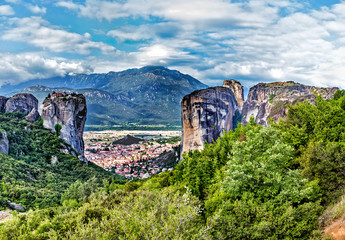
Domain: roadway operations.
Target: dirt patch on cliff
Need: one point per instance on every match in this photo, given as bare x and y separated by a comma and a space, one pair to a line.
336, 229
5, 215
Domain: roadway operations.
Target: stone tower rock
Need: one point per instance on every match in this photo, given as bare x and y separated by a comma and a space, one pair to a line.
237, 88
68, 110
206, 114
25, 103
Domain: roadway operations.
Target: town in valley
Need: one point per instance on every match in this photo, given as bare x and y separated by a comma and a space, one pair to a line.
133, 154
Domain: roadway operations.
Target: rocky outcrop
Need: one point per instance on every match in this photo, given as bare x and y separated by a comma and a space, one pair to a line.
237, 88
22, 102
15, 206
268, 100
206, 114
25, 103
4, 143
3, 101
69, 111
33, 115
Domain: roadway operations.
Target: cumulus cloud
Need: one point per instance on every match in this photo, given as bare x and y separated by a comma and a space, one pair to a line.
19, 67
199, 13
251, 40
36, 9
6, 10
300, 47
156, 31
39, 33
161, 55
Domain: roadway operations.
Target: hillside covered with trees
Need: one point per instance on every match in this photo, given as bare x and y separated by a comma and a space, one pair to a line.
275, 182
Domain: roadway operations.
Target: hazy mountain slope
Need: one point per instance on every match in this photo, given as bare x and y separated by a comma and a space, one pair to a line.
150, 95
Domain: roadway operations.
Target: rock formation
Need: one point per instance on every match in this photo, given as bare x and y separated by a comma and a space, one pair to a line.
206, 114
268, 100
69, 111
25, 103
22, 102
4, 143
15, 206
3, 101
237, 88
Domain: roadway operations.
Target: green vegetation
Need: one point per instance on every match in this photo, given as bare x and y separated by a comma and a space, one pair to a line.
27, 175
278, 182
171, 140
57, 128
272, 96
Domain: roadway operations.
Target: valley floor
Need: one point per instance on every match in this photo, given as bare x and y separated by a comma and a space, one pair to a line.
154, 154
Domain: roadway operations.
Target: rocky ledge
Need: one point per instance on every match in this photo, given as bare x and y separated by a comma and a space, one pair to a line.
268, 100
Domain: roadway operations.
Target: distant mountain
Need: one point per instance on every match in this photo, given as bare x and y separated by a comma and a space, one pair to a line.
146, 96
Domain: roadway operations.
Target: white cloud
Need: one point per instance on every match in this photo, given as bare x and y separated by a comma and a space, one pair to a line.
40, 33
199, 13
159, 54
255, 40
6, 10
132, 33
19, 67
68, 5
36, 9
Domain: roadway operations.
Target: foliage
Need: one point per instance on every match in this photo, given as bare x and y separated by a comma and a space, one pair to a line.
264, 198
317, 132
171, 140
272, 96
118, 215
252, 183
27, 176
57, 128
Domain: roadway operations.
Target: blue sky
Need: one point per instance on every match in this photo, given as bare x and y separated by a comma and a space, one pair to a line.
212, 40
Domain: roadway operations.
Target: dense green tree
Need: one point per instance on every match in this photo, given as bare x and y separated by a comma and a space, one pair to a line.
317, 132
263, 198
57, 128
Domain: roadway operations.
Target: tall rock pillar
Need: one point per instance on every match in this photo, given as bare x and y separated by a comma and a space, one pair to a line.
68, 110
237, 88
206, 114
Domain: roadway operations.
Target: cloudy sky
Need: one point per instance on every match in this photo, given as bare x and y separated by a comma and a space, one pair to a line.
249, 40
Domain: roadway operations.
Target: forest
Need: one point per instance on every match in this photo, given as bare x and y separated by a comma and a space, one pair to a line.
283, 181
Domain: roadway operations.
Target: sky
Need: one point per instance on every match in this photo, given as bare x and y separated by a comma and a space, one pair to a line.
212, 40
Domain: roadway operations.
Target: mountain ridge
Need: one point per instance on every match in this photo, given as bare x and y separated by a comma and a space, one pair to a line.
146, 96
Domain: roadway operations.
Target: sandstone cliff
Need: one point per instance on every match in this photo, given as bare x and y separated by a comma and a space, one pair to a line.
68, 110
237, 88
205, 115
22, 102
266, 100
25, 103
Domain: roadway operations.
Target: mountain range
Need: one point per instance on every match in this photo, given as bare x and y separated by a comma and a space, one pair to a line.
147, 96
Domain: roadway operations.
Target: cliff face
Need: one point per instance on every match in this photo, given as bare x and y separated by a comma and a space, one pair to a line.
68, 110
4, 143
205, 115
266, 100
237, 88
25, 103
22, 102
